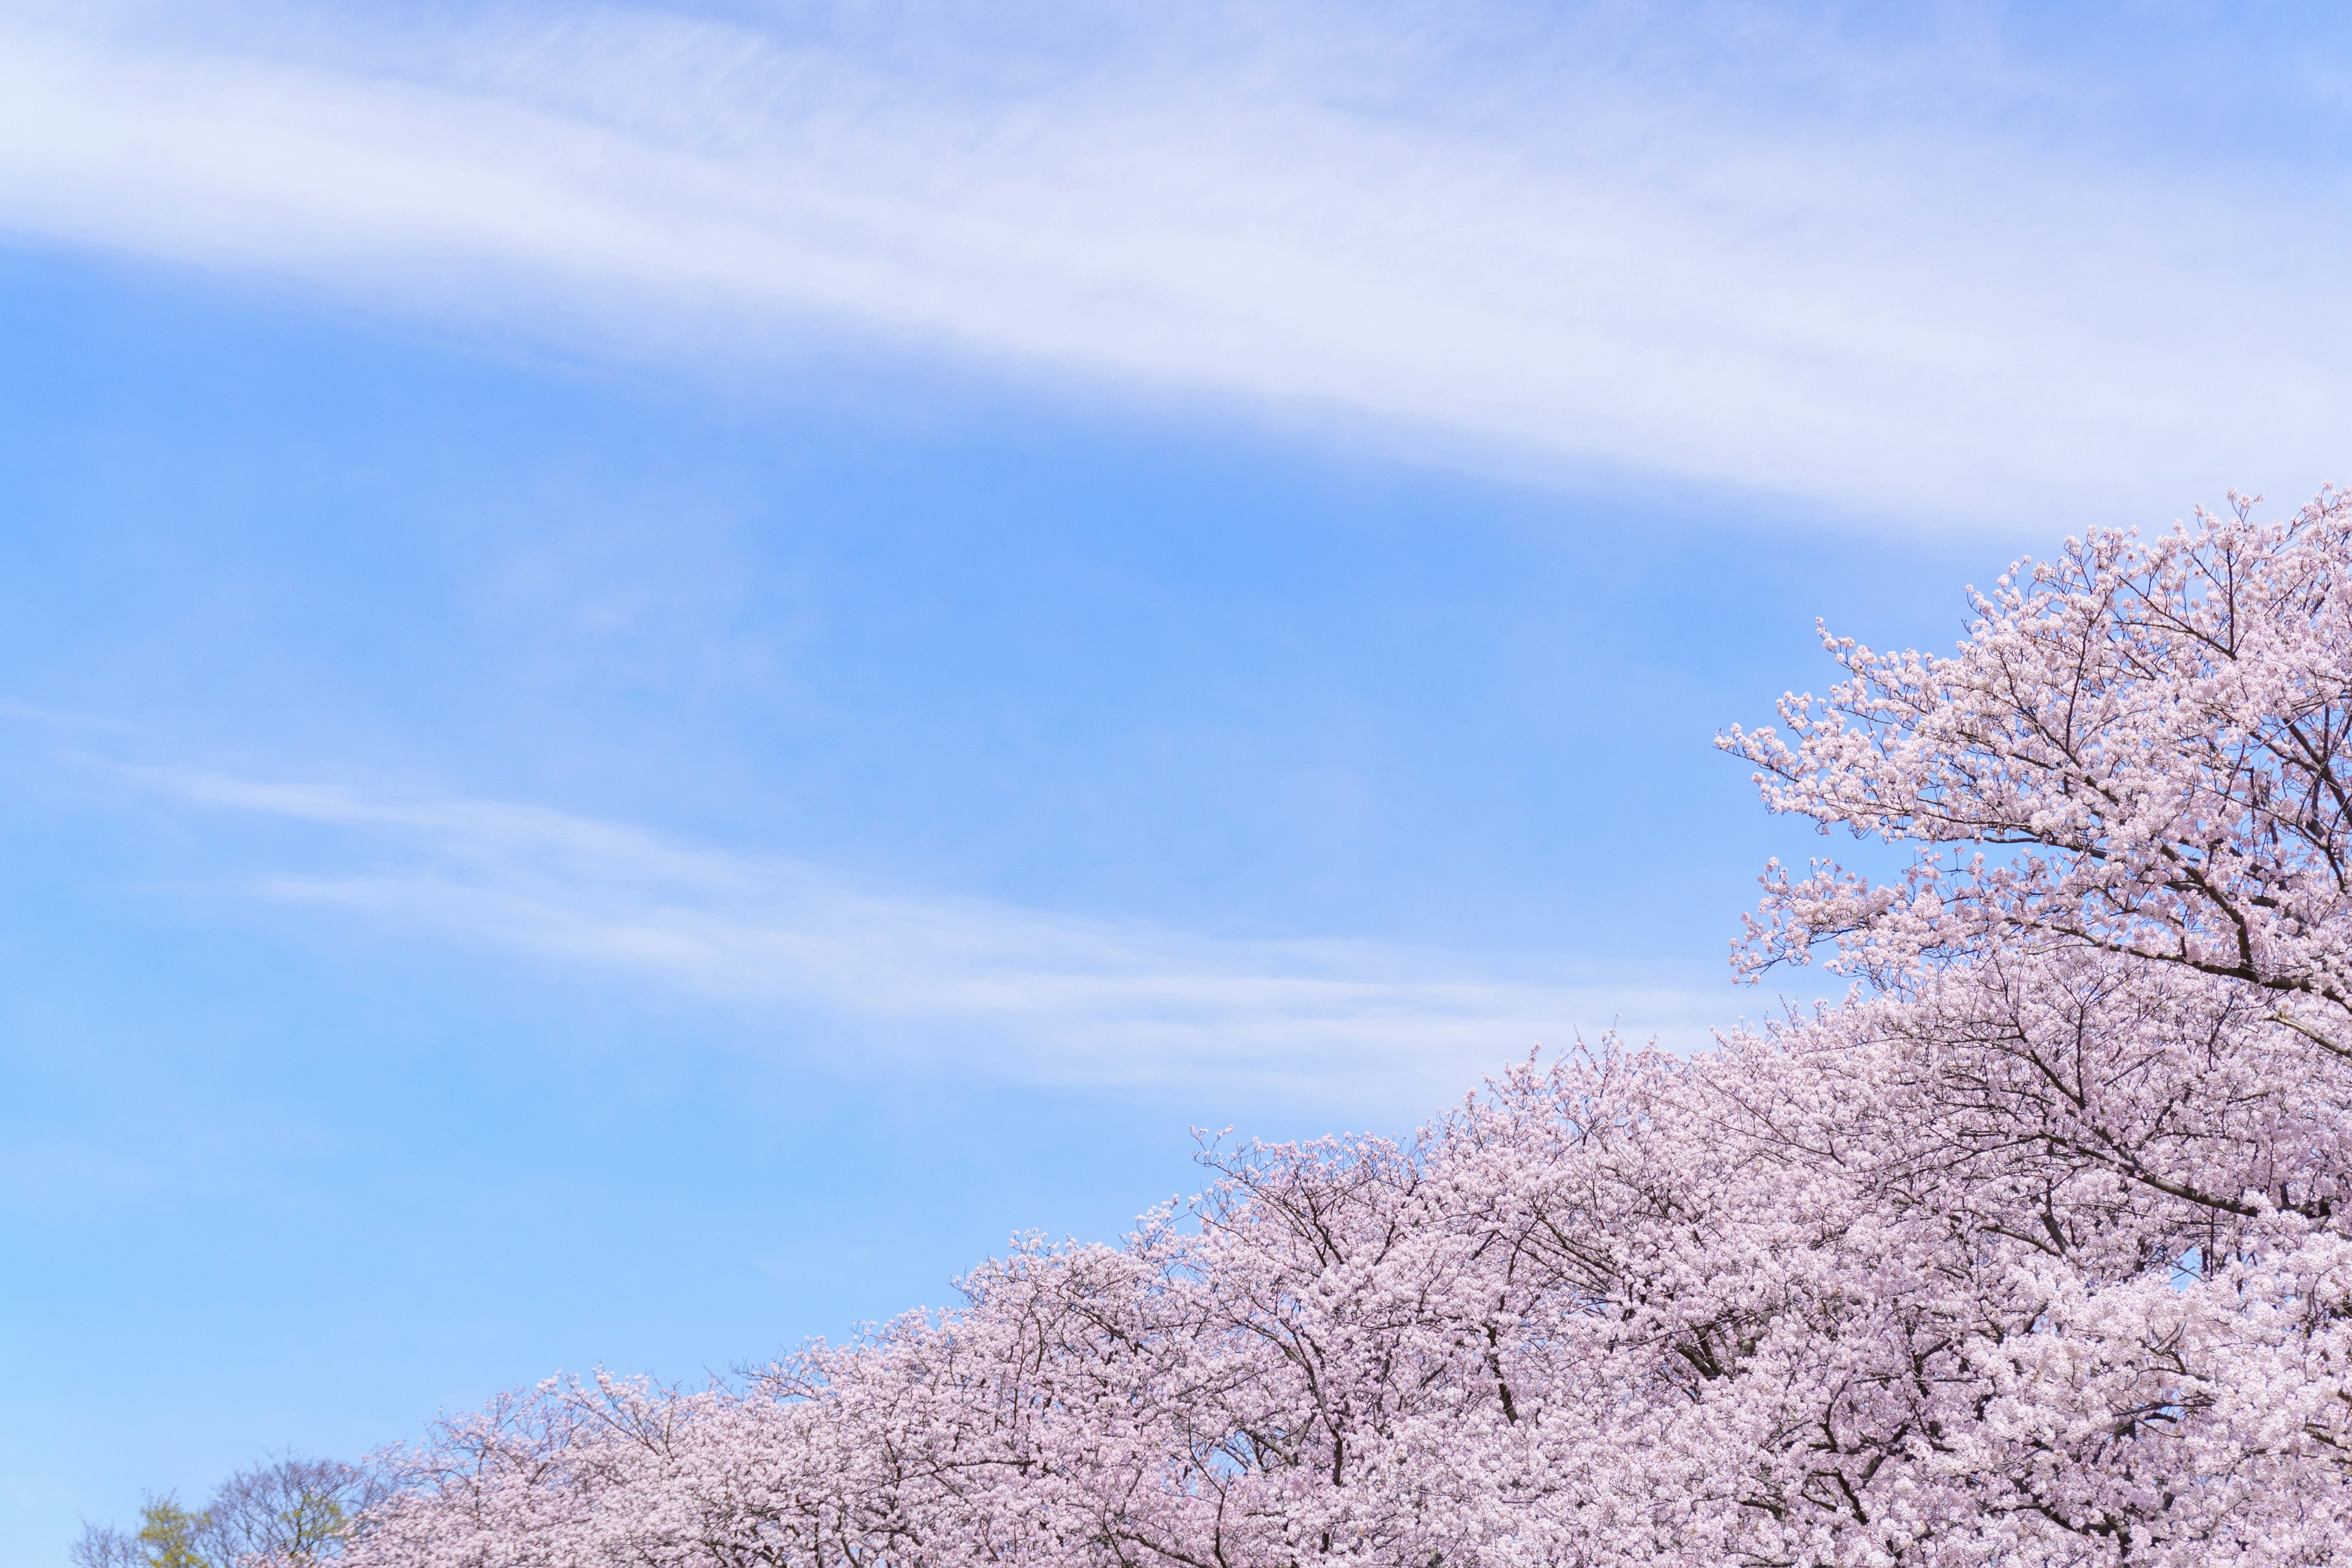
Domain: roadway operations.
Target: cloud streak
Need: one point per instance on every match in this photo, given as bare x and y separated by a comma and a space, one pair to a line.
1601, 253
1018, 992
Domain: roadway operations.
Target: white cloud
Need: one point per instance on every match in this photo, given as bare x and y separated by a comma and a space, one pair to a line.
1021, 993
1598, 254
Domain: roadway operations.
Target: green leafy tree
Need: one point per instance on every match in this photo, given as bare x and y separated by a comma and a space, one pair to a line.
287, 1513
169, 1534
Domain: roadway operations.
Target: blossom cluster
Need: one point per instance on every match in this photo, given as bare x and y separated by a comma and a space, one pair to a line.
2033, 1251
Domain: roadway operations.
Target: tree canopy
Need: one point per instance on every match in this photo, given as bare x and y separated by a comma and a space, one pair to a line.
292, 1511
2033, 1251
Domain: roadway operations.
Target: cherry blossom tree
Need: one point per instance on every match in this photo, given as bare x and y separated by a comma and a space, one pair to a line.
2155, 741
2033, 1251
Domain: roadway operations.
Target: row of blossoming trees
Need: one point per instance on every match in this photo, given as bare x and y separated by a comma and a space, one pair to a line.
2034, 1251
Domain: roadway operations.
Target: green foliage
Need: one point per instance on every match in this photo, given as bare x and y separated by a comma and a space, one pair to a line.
172, 1534
287, 1513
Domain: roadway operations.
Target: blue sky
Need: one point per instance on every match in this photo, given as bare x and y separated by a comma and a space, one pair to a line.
663, 672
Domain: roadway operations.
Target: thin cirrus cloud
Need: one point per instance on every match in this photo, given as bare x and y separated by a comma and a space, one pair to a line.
1610, 252
1020, 993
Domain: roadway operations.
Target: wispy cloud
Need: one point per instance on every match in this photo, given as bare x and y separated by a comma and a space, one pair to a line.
1603, 251
1022, 993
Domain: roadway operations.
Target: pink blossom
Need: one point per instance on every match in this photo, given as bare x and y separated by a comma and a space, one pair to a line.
2032, 1252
